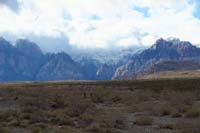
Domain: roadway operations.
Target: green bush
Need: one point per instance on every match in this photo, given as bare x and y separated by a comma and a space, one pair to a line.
144, 121
192, 113
4, 130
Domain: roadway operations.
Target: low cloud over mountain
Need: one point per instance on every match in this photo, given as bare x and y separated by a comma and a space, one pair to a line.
25, 61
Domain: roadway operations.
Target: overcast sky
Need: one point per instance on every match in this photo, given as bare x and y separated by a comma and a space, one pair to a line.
102, 23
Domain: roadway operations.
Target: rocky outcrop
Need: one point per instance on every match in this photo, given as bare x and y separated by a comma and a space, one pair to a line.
25, 61
105, 72
60, 67
30, 58
164, 66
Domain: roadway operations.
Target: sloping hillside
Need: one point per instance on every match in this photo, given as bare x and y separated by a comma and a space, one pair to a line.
173, 74
165, 66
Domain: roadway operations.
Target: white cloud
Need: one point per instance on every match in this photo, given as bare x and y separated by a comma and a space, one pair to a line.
120, 22
12, 4
127, 42
149, 39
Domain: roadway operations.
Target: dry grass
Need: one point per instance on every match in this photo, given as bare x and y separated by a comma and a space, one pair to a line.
174, 74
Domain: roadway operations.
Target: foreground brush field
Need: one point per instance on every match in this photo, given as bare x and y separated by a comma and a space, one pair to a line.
140, 106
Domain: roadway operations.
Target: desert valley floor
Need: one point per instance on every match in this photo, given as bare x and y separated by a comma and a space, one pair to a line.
138, 106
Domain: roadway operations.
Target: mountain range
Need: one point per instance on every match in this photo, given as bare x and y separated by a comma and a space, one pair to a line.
25, 61
163, 55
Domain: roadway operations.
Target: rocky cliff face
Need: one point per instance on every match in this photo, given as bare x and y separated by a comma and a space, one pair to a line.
89, 67
14, 64
105, 72
164, 66
30, 59
26, 61
60, 67
162, 50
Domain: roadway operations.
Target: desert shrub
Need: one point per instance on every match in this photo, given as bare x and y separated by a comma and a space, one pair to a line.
181, 108
116, 99
36, 130
167, 126
176, 114
79, 106
33, 103
8, 115
14, 122
142, 96
132, 108
40, 125
62, 121
190, 125
59, 117
66, 130
180, 97
94, 127
192, 113
99, 95
158, 108
165, 111
25, 116
24, 123
58, 101
97, 99
38, 117
121, 96
4, 130
161, 109
108, 130
87, 118
120, 124
144, 121
112, 120
107, 95
144, 106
